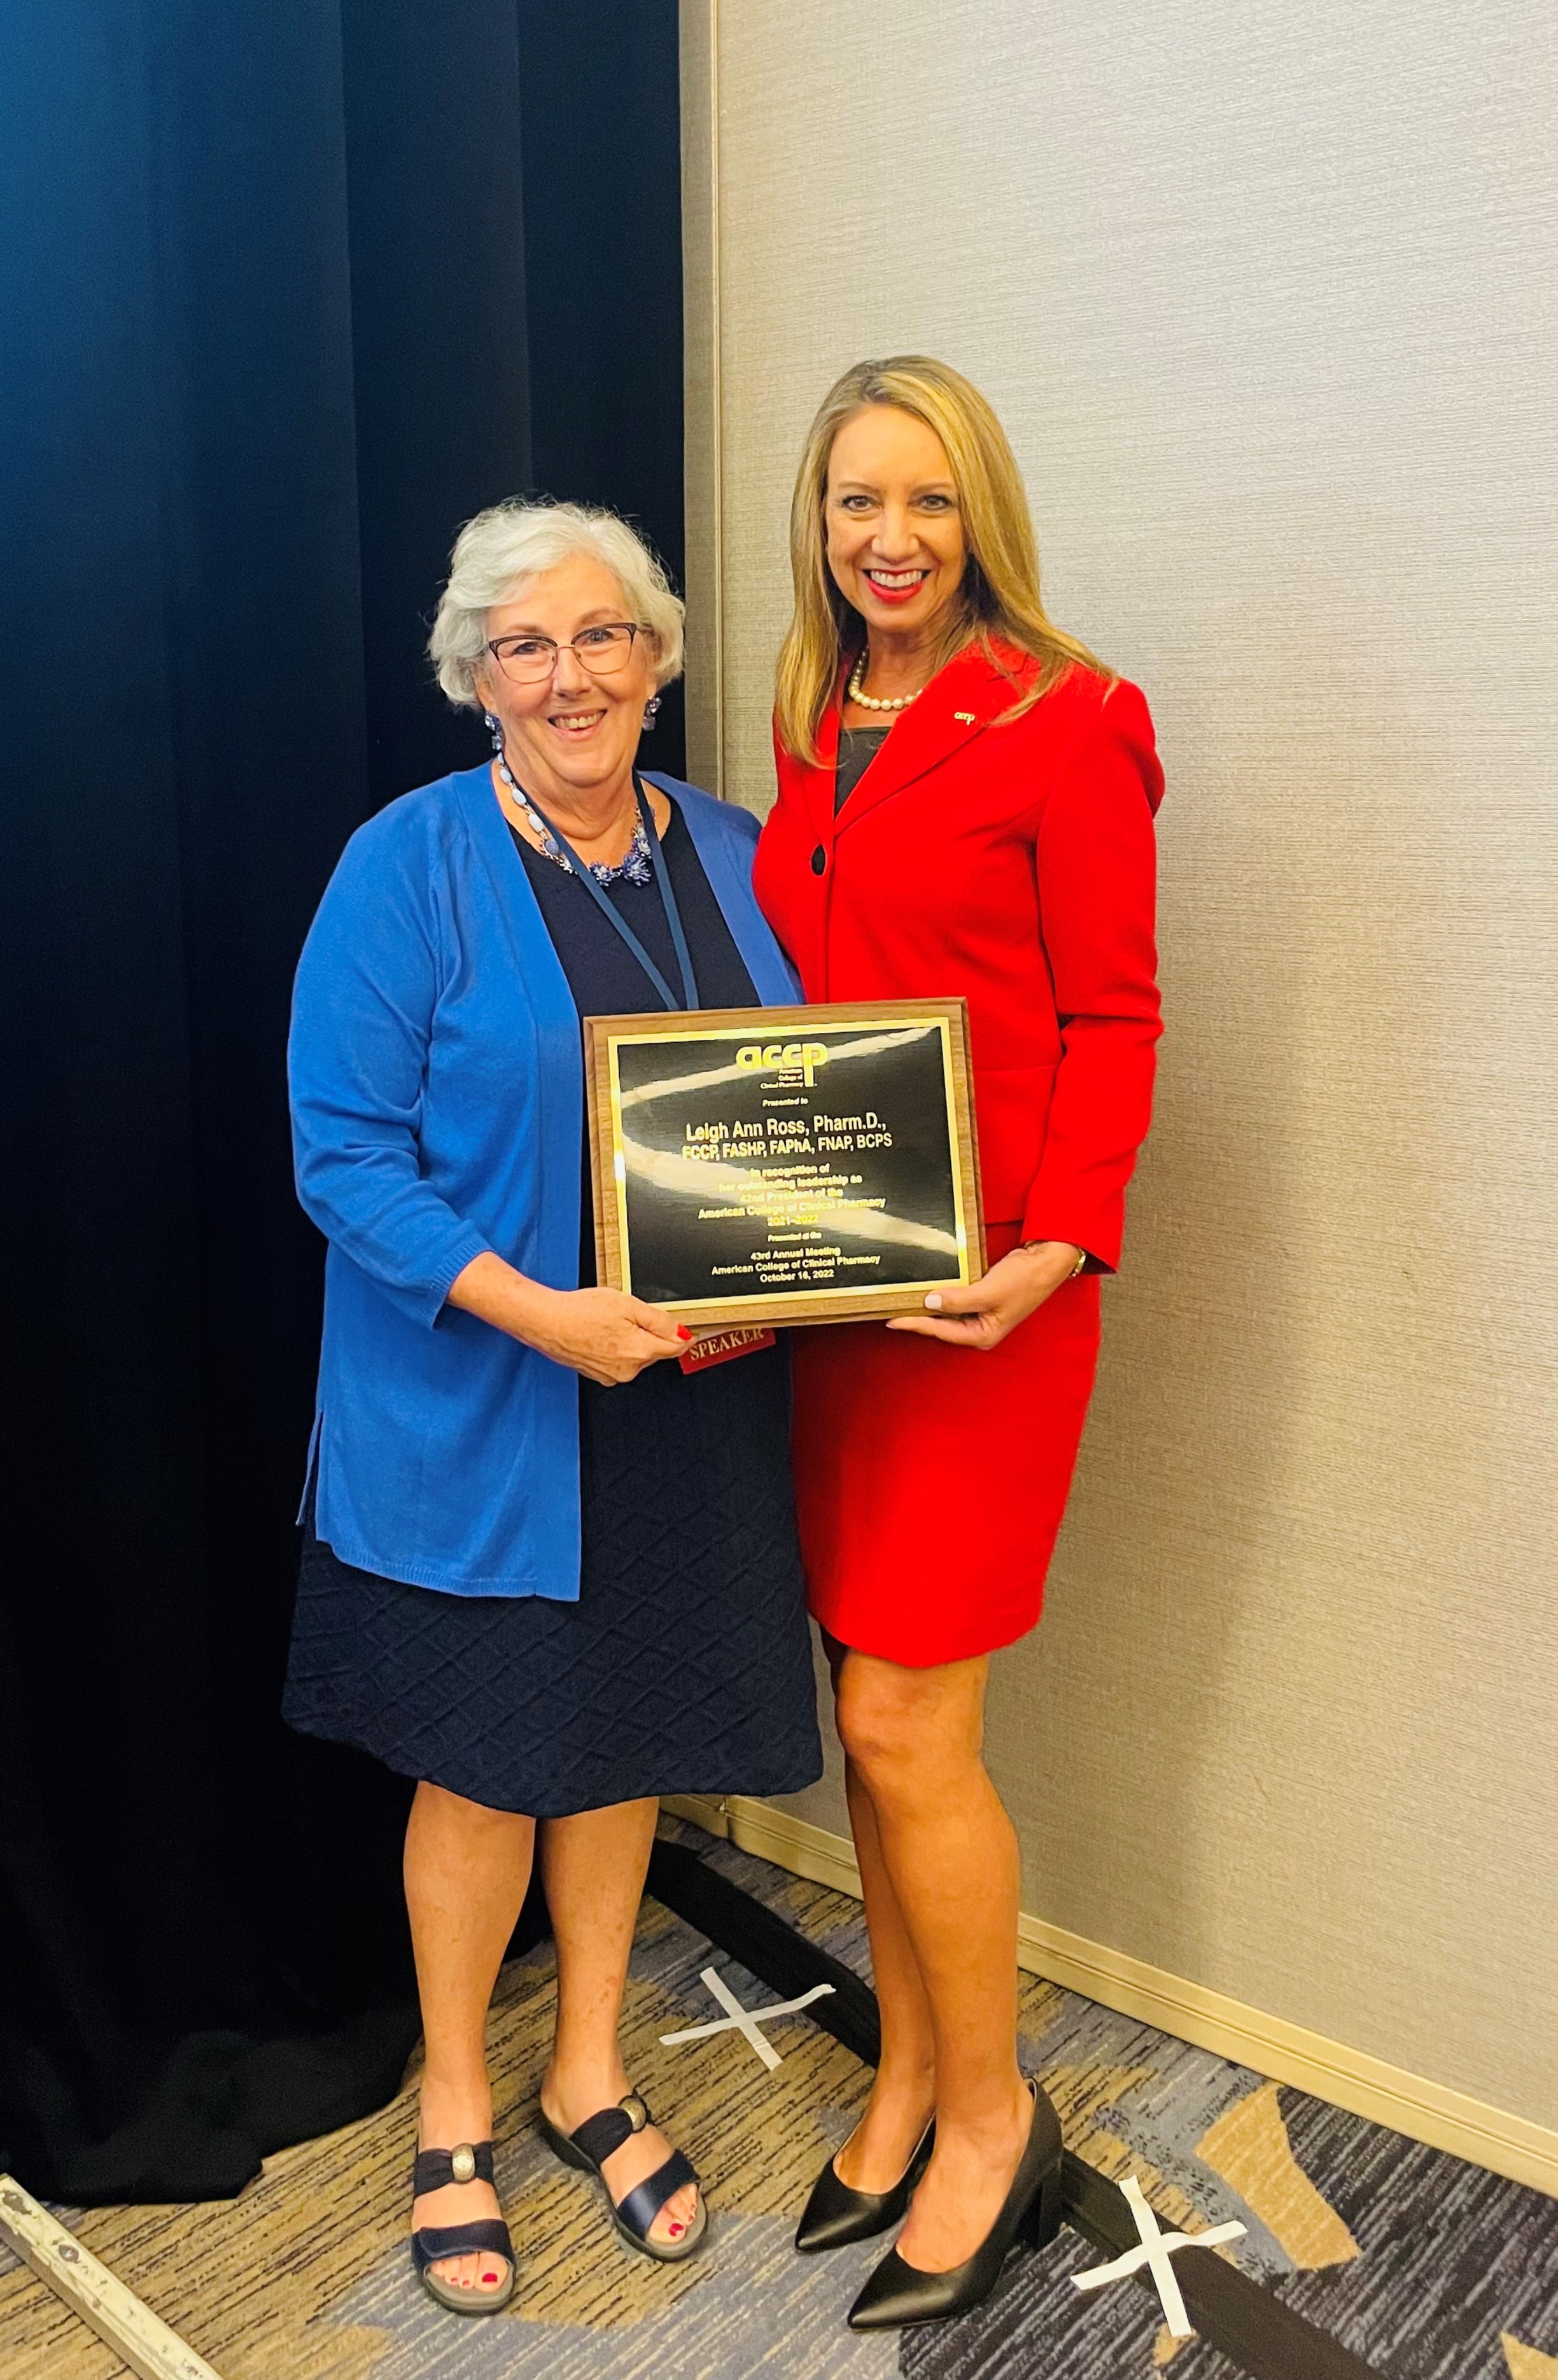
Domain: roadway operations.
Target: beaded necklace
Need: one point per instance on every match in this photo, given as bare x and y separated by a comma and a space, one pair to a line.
637, 865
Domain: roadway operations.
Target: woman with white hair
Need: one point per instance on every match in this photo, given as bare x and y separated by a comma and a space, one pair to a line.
547, 1572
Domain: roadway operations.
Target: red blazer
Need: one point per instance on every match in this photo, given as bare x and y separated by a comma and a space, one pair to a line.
1014, 865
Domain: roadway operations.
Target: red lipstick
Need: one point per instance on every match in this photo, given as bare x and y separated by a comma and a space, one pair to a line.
893, 594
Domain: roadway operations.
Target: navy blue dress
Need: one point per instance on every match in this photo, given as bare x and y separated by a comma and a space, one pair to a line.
685, 1665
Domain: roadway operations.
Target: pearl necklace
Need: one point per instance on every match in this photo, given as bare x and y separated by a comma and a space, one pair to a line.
871, 701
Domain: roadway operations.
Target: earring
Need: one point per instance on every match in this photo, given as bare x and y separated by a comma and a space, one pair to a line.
495, 730
651, 711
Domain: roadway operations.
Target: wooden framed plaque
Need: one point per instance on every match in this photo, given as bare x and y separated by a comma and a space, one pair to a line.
764, 1165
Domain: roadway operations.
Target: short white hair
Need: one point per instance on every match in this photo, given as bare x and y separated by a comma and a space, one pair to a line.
501, 547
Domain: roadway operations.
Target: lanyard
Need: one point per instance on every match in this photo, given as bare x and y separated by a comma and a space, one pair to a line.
618, 923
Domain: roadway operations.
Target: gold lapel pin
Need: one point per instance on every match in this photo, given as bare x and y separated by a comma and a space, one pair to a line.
966, 716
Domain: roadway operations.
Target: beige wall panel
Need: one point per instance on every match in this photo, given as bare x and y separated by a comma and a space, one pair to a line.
1263, 295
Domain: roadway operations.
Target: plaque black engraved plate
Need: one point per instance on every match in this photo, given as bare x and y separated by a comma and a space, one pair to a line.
809, 1164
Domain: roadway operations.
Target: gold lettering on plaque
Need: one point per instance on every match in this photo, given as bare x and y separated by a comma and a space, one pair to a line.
783, 1058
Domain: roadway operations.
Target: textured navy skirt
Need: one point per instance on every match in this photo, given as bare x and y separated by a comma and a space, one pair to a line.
685, 1667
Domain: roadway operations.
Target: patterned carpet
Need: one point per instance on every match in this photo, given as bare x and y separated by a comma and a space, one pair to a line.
1427, 2268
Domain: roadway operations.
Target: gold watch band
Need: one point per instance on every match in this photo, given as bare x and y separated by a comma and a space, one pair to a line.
1080, 1264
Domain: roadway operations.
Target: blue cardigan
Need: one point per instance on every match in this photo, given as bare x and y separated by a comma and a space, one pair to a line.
438, 1111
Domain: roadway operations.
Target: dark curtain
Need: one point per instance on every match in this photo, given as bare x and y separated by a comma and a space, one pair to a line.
603, 248
270, 329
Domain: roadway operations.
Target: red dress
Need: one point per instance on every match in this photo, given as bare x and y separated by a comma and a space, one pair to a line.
1013, 864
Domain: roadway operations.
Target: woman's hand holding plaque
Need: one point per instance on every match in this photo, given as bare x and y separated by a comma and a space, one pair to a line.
603, 1334
982, 1313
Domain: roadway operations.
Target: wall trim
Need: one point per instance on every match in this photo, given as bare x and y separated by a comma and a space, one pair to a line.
1367, 2086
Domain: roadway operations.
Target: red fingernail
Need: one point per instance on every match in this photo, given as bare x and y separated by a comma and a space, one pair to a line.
682, 1331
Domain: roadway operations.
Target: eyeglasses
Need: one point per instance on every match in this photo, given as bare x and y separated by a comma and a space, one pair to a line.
525, 661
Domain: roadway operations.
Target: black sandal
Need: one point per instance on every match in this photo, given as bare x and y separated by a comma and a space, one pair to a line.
598, 2137
488, 2235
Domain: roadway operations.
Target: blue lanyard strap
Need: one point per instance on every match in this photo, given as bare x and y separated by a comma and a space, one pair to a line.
672, 914
618, 922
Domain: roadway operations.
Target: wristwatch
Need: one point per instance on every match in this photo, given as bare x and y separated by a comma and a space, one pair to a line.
1080, 1267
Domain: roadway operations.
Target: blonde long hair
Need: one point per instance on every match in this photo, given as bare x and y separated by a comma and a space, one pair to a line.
999, 595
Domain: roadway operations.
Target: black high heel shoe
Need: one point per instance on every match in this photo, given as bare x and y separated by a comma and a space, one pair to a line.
898, 2294
836, 2214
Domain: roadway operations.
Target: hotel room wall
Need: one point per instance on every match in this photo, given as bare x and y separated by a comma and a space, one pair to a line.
1265, 298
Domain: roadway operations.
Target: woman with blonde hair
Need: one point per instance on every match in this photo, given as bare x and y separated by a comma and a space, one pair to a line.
547, 1572
965, 806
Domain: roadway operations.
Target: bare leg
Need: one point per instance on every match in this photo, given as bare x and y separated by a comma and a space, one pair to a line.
903, 2089
950, 1856
594, 1866
466, 1869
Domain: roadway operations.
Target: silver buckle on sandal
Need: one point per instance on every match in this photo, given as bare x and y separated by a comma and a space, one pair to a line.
461, 2162
636, 2109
